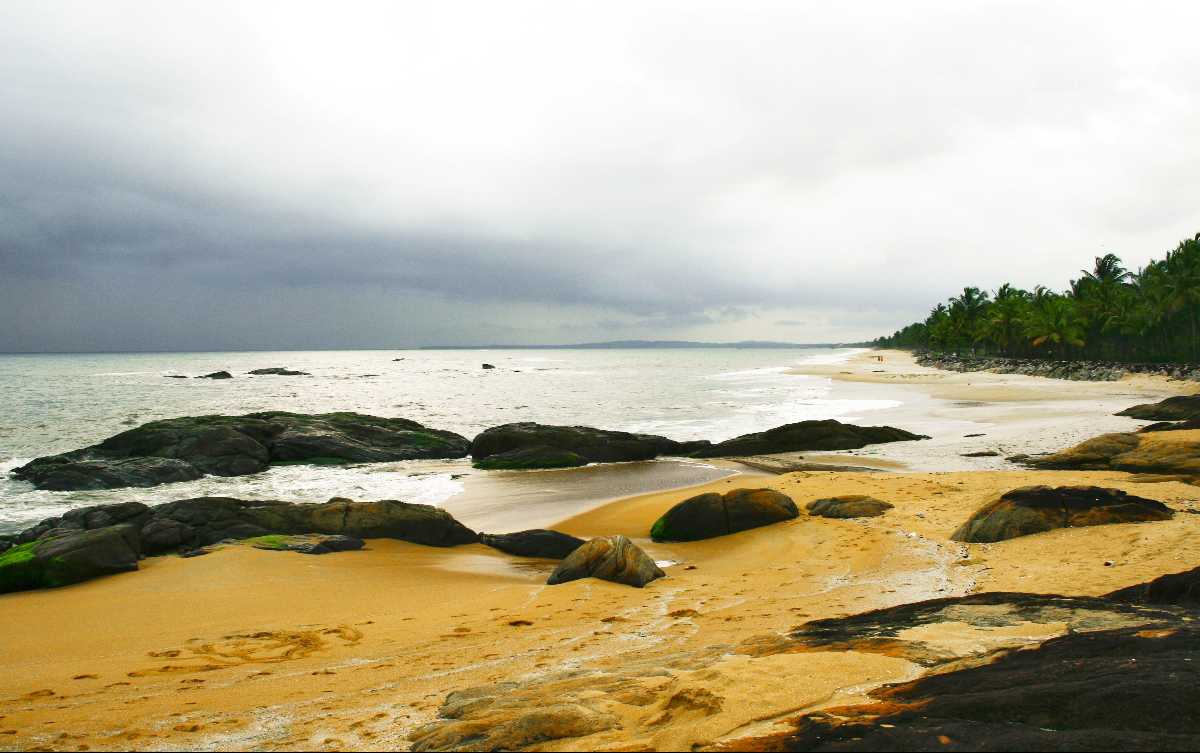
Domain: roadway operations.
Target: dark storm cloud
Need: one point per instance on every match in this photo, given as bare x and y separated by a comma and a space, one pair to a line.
253, 175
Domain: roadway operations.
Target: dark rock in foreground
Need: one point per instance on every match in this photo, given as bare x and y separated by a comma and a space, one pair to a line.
1036, 509
191, 524
217, 375
612, 558
848, 506
182, 449
524, 445
1120, 689
534, 543
1177, 408
65, 556
277, 371
708, 515
807, 435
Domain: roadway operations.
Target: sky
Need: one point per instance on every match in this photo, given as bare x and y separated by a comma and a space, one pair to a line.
254, 175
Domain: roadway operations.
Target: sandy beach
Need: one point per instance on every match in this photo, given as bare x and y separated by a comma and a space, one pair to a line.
246, 648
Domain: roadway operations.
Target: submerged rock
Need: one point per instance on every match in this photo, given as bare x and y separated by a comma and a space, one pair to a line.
612, 558
707, 515
65, 556
278, 371
807, 435
848, 506
1177, 408
524, 445
183, 449
534, 543
1036, 509
216, 375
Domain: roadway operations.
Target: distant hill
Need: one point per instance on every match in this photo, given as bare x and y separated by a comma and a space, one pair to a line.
645, 344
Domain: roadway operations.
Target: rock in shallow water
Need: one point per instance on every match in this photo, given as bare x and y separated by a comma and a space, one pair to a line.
533, 543
1036, 509
848, 506
183, 449
612, 558
524, 445
707, 515
807, 435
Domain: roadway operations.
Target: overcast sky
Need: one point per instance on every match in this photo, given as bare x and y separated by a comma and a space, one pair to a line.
216, 175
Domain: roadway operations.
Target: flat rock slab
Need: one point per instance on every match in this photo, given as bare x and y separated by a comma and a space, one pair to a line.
848, 506
533, 543
612, 558
1036, 509
183, 449
708, 515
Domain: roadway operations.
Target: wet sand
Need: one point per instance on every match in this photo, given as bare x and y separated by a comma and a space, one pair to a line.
246, 648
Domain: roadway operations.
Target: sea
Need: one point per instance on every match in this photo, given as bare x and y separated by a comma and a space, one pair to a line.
58, 402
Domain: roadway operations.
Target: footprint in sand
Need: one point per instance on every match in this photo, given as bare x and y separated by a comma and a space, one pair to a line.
263, 647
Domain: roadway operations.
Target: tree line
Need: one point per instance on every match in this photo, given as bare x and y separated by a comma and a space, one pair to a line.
1110, 313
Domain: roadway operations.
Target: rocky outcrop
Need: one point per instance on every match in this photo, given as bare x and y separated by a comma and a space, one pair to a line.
525, 445
182, 449
1090, 371
1156, 452
1178, 588
216, 375
848, 506
534, 543
1177, 408
61, 557
278, 371
187, 525
1036, 509
612, 558
707, 515
807, 435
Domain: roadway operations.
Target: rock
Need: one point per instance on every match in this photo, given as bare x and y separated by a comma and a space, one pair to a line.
531, 458
165, 535
807, 435
309, 544
506, 725
488, 366
981, 454
1156, 452
66, 556
175, 376
524, 444
278, 371
1177, 408
707, 515
534, 543
183, 449
848, 506
612, 558
1182, 589
1036, 509
217, 375
1120, 689
89, 518
1188, 425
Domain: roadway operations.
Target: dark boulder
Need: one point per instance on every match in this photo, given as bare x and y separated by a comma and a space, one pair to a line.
848, 506
707, 515
278, 371
1182, 589
611, 558
217, 375
529, 458
488, 366
65, 556
1178, 408
182, 449
89, 518
175, 376
1036, 509
807, 435
558, 443
534, 543
1188, 425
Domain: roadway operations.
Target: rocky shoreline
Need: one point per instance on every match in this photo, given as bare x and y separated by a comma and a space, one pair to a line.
1079, 371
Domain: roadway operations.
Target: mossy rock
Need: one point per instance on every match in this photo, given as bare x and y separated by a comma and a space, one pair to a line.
64, 557
848, 506
530, 459
707, 515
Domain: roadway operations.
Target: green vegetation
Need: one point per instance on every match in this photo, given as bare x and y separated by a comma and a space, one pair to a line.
1107, 314
270, 541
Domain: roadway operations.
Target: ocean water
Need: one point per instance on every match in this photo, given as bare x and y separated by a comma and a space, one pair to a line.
54, 403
